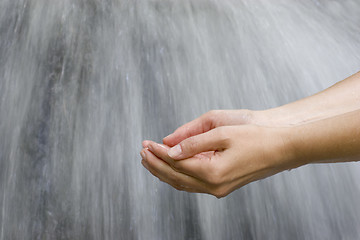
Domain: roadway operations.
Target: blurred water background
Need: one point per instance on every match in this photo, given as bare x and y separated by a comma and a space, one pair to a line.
83, 82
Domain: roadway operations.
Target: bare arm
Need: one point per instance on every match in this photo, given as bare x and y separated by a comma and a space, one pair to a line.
335, 139
341, 98
226, 158
224, 150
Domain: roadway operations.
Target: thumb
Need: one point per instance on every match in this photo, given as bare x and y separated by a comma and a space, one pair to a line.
212, 140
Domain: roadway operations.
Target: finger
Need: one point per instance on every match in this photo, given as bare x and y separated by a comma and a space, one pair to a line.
195, 127
214, 140
166, 174
161, 171
145, 143
197, 167
174, 185
160, 151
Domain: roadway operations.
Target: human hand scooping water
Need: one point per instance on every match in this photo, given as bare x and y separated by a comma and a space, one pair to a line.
224, 150
218, 161
211, 120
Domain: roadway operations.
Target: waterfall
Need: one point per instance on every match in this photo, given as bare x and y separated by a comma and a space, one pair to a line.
83, 82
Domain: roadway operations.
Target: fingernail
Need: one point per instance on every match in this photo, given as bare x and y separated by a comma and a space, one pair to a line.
175, 151
142, 154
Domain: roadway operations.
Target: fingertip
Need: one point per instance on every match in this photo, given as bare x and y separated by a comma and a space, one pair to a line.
167, 140
148, 154
151, 158
170, 142
168, 136
145, 143
142, 154
154, 147
150, 147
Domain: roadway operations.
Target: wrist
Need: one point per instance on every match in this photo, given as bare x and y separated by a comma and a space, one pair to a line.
285, 149
275, 117
289, 115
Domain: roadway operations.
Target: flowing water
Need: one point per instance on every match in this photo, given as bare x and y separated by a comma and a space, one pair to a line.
83, 82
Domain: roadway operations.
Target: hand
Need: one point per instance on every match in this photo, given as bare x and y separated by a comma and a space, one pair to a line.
220, 160
218, 118
211, 120
224, 150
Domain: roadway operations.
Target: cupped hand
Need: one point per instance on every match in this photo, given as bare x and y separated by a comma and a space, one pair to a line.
211, 120
220, 160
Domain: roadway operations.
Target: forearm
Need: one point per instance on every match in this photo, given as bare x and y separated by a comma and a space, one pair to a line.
341, 98
335, 139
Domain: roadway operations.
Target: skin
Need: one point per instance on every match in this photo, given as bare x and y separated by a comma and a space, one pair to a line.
222, 151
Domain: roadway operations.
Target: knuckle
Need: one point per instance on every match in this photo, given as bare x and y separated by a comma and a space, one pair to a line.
223, 134
189, 145
213, 113
211, 116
